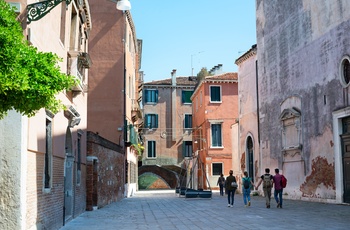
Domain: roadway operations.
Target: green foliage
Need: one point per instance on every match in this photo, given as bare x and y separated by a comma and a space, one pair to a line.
202, 74
29, 79
139, 148
146, 180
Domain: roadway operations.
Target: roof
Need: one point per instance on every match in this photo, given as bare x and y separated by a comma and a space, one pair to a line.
231, 77
190, 81
223, 77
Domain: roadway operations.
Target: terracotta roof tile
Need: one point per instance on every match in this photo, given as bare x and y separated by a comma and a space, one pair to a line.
179, 81
224, 76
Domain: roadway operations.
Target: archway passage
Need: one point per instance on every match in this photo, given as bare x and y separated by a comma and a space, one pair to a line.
345, 138
250, 157
68, 177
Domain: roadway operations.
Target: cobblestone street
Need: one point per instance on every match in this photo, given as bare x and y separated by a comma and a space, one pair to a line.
166, 210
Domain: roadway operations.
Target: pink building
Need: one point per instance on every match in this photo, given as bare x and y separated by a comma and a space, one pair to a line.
46, 153
167, 132
113, 105
248, 158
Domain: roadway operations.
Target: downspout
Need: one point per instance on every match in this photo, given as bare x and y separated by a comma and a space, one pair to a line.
257, 98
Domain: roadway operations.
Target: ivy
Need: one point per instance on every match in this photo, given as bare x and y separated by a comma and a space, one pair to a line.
29, 79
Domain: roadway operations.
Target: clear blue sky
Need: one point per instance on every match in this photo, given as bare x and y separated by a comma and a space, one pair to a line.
186, 34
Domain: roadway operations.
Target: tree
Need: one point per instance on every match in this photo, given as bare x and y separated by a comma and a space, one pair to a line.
29, 79
202, 74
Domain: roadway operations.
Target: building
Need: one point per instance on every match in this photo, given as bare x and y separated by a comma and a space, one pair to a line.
214, 119
113, 105
45, 155
248, 157
303, 78
167, 131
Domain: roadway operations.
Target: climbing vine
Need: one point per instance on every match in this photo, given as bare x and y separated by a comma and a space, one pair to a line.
29, 79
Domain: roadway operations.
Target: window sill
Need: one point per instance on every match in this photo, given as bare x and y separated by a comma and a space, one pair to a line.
46, 190
216, 102
216, 147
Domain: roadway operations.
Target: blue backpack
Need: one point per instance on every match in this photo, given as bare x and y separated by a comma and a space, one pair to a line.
246, 182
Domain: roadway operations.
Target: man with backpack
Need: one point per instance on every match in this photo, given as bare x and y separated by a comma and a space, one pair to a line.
277, 180
267, 180
246, 183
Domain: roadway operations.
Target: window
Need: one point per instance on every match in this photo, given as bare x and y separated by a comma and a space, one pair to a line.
151, 153
344, 71
151, 121
216, 135
291, 130
79, 159
187, 148
215, 93
217, 169
151, 96
188, 121
200, 99
48, 155
186, 96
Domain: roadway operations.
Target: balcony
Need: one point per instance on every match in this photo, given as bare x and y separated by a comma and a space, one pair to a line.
84, 60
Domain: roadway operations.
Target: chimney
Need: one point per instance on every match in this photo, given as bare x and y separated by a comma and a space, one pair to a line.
173, 77
219, 69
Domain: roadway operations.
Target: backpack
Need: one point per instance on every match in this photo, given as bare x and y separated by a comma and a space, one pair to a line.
283, 181
246, 182
267, 181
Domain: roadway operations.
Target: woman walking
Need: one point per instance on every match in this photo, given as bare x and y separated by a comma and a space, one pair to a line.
231, 186
221, 183
246, 182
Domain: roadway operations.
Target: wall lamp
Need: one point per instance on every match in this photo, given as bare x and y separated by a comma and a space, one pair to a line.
203, 139
38, 10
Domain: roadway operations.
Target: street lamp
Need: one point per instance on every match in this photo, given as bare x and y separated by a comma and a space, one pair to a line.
38, 10
123, 5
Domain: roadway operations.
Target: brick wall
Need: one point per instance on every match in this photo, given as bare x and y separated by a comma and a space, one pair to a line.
44, 209
109, 178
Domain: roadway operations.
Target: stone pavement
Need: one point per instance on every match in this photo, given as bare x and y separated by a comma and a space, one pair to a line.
166, 210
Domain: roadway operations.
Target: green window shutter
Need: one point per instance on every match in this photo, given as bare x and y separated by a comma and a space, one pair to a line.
156, 119
156, 96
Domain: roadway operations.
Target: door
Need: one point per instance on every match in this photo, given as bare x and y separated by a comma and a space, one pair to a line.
346, 166
250, 156
68, 177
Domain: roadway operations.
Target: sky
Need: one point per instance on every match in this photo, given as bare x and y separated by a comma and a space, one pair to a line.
187, 35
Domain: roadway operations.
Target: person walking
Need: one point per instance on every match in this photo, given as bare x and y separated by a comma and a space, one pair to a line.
277, 181
231, 186
246, 183
267, 180
221, 183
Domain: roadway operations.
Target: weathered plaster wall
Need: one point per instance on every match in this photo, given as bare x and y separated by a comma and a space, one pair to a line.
10, 172
248, 111
300, 45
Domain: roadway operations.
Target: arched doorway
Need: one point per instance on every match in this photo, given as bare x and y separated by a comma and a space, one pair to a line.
68, 177
250, 157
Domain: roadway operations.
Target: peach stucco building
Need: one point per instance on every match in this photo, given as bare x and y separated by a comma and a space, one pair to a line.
215, 114
167, 129
42, 184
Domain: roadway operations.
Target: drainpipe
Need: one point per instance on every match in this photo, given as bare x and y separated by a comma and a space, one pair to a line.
257, 98
173, 104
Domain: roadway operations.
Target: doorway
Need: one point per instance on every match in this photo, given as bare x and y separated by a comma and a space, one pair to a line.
68, 177
250, 158
345, 139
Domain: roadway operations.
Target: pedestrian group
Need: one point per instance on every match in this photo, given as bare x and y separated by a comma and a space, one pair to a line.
269, 181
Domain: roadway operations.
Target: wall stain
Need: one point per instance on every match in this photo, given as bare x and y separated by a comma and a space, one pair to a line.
321, 173
243, 162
